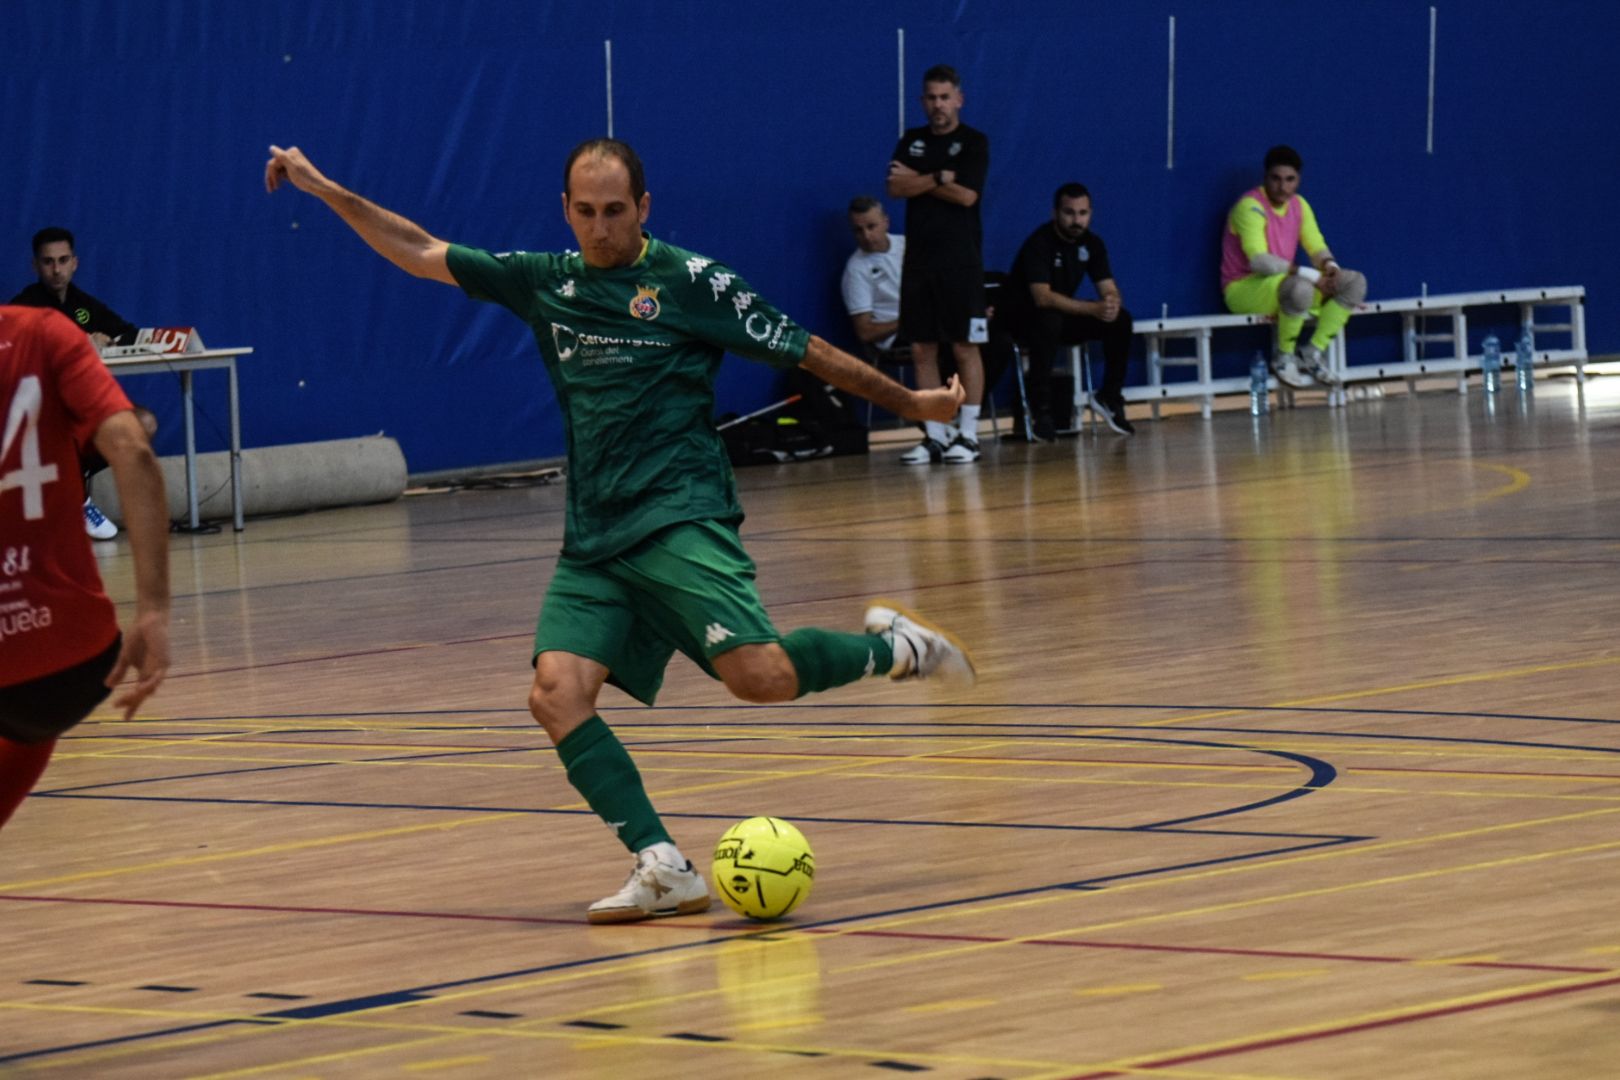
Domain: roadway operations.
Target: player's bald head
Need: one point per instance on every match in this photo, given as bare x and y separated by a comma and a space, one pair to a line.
603, 151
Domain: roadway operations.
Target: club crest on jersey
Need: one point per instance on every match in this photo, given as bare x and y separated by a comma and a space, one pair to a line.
645, 305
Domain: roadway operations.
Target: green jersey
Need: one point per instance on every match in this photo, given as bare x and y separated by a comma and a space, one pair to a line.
633, 352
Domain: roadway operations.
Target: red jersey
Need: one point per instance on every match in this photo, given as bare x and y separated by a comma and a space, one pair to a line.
54, 393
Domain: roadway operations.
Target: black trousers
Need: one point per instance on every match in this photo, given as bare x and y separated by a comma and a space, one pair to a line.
1043, 331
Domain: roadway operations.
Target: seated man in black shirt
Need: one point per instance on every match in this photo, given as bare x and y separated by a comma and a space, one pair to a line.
55, 264
1043, 313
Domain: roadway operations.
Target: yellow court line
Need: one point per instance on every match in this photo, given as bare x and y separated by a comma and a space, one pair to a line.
1230, 905
270, 849
1427, 684
1480, 998
339, 1055
266, 759
1518, 480
721, 785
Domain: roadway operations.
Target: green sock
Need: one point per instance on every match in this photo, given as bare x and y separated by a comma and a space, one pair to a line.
1329, 321
1288, 328
826, 658
600, 769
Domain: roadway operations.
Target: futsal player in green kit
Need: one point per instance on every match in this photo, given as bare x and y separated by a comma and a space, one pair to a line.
632, 331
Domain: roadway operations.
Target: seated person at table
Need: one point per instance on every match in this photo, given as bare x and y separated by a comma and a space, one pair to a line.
1260, 277
55, 263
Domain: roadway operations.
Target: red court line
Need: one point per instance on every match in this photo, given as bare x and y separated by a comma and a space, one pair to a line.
1211, 950
347, 655
828, 930
1351, 1029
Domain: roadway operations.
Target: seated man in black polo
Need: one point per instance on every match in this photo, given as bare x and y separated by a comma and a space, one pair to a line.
55, 264
1044, 314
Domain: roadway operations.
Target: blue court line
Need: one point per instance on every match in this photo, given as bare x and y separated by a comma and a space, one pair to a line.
425, 991
811, 707
121, 1039
328, 804
1322, 774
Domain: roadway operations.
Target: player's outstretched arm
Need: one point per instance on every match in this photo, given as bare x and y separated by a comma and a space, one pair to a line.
402, 242
863, 380
122, 441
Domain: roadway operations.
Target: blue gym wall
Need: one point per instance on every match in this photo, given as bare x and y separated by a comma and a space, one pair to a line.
142, 126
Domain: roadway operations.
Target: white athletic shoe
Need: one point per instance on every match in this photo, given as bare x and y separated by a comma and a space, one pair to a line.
962, 451
927, 452
1312, 361
921, 650
653, 889
96, 523
1286, 368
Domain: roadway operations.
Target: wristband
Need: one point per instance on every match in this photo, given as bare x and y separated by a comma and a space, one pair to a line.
939, 179
1309, 273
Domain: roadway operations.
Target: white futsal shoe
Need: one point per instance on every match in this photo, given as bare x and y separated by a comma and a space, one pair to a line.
1286, 367
96, 524
1314, 363
921, 650
653, 889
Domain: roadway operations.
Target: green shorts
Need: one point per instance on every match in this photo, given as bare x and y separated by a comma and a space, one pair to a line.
689, 587
1257, 295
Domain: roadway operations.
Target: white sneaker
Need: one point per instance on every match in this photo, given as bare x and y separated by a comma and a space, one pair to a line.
653, 889
1287, 371
962, 451
1313, 362
96, 523
921, 650
927, 452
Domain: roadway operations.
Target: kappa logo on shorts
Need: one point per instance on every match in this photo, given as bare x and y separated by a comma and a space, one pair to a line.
714, 634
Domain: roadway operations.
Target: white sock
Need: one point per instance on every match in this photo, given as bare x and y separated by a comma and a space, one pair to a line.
937, 431
970, 422
666, 853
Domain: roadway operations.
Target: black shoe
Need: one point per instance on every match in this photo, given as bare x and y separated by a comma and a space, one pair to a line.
1045, 430
1112, 407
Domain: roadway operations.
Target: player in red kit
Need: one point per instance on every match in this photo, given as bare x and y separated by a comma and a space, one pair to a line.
60, 646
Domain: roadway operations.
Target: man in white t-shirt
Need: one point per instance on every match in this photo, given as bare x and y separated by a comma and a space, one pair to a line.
872, 275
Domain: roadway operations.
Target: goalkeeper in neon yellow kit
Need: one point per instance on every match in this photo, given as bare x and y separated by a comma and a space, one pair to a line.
1259, 276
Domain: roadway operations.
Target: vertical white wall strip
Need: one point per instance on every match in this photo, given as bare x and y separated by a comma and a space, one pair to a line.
900, 81
1170, 115
1433, 17
607, 56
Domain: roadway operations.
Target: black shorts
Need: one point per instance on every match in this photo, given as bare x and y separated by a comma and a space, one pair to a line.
943, 305
43, 708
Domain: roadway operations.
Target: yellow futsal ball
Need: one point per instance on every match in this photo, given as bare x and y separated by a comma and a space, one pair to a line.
763, 868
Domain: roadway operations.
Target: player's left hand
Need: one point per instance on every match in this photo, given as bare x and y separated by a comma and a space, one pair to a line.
1329, 285
146, 649
941, 403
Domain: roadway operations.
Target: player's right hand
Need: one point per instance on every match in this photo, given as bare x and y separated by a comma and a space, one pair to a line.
146, 649
940, 403
291, 165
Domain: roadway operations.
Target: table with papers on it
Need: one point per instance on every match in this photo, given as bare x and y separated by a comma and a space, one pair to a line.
180, 350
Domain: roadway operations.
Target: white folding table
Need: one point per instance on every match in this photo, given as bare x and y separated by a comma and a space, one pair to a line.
184, 365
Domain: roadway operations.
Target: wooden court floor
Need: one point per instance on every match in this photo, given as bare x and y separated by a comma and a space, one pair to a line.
1296, 754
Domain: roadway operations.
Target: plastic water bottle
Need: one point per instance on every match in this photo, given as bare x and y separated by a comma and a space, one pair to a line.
1259, 386
1491, 365
1524, 362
